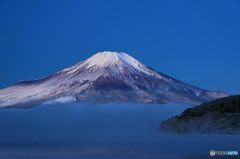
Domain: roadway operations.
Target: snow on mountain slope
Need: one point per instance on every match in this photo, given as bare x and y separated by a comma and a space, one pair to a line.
105, 77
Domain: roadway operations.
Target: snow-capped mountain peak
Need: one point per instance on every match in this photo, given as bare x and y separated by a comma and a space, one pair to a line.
103, 59
108, 58
105, 77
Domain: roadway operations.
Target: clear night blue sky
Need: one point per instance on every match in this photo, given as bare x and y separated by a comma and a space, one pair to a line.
194, 41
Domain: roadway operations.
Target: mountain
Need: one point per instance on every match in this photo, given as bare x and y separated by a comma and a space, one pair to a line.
105, 77
221, 116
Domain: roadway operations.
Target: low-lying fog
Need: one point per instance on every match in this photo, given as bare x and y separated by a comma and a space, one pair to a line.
101, 131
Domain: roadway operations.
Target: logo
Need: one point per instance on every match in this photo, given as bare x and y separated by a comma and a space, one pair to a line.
212, 153
223, 153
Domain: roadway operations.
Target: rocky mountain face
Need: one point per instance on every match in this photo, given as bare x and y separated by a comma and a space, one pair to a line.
105, 77
220, 116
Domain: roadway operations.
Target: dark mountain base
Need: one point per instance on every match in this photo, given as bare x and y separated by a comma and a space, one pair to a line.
221, 116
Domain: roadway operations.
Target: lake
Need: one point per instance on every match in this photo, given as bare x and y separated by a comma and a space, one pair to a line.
104, 131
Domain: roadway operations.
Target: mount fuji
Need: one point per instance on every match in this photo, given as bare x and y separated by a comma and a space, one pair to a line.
105, 77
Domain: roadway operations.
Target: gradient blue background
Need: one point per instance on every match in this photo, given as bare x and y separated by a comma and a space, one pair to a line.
194, 41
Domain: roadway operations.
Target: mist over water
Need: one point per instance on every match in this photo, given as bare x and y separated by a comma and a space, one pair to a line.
101, 131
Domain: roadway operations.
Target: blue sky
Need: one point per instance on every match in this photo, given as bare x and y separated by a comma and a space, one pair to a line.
193, 41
